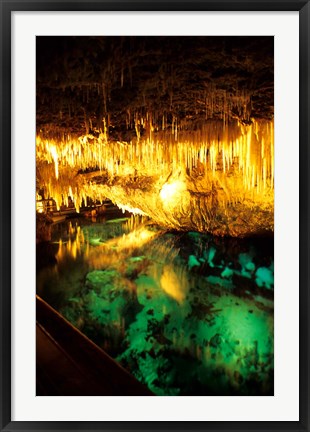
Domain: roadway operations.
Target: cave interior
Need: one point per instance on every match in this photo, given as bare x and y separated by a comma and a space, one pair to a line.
155, 215
179, 129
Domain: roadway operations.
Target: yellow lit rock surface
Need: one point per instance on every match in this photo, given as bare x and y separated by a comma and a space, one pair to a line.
218, 178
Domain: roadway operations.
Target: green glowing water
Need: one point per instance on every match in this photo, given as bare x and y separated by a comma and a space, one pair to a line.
185, 313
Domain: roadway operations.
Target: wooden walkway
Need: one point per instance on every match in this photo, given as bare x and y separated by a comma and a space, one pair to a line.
69, 364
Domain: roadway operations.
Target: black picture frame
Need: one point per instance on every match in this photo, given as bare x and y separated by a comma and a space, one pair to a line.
6, 8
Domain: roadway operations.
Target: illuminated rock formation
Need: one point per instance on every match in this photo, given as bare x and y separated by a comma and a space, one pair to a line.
224, 186
191, 152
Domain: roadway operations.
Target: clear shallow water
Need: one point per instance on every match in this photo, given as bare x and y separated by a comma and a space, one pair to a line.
186, 313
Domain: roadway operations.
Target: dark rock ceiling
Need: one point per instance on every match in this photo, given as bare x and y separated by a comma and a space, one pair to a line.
83, 80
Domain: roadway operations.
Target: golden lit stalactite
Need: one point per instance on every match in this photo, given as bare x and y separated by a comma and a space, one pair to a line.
198, 179
134, 211
160, 150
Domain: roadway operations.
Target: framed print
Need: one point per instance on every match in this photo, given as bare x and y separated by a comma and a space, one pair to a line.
154, 219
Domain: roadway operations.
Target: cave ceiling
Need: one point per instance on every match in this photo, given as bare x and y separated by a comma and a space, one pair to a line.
80, 79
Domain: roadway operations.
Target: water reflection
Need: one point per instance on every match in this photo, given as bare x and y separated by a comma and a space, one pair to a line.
187, 314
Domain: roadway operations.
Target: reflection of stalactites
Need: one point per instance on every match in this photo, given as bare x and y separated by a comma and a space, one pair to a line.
134, 222
117, 249
73, 247
174, 282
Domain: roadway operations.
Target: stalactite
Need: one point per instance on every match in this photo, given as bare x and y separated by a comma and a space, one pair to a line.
238, 157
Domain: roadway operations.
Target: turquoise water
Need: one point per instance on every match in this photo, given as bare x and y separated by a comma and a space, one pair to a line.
185, 313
